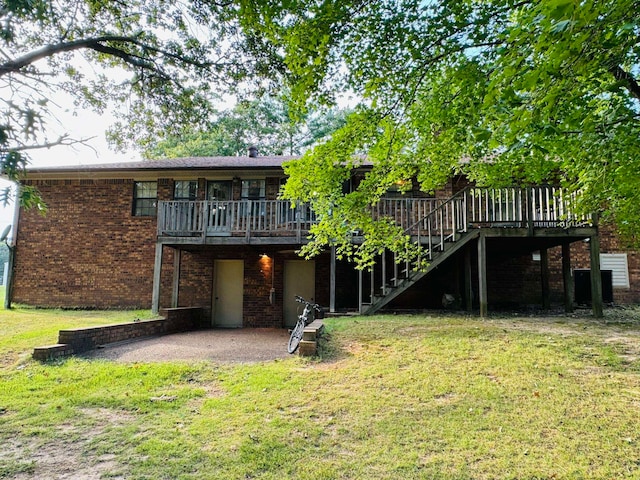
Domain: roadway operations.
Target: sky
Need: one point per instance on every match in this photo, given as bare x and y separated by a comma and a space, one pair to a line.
83, 124
86, 124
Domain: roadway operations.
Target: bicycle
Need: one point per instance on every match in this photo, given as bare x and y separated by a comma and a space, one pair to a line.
303, 321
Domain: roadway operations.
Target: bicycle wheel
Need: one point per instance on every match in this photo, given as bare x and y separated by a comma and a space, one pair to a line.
296, 336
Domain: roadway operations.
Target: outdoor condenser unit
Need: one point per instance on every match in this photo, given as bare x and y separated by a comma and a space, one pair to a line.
582, 286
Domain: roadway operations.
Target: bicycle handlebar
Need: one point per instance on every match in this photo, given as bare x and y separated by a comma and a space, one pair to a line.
315, 306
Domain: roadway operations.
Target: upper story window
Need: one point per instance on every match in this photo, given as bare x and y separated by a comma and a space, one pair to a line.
253, 189
400, 189
219, 190
145, 199
185, 190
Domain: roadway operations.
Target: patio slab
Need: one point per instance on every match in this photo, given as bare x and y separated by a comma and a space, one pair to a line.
247, 345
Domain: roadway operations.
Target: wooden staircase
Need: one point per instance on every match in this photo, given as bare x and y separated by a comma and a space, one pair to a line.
446, 229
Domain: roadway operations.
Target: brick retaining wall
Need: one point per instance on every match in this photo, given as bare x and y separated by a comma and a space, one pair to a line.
78, 340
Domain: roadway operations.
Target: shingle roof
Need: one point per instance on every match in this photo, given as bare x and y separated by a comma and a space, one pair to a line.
196, 163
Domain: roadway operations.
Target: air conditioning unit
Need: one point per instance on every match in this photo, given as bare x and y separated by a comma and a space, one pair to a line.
582, 286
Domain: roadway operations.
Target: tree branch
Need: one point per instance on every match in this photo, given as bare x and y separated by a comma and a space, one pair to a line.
629, 81
97, 44
62, 140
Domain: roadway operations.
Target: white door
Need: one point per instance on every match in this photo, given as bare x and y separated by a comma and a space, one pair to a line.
299, 279
228, 293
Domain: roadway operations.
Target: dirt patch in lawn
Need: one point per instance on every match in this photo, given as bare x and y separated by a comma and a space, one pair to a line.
55, 461
68, 457
615, 329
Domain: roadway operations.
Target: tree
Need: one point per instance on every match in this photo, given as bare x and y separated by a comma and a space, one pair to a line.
162, 60
4, 254
4, 258
265, 122
502, 90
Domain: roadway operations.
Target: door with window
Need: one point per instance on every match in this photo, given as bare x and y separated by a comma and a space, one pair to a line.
220, 214
253, 193
228, 293
299, 279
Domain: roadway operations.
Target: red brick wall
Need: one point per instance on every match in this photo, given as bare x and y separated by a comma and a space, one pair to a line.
197, 270
517, 279
611, 243
88, 250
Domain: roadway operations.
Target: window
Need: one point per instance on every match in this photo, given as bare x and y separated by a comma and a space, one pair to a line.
253, 189
617, 263
185, 190
400, 189
220, 191
145, 199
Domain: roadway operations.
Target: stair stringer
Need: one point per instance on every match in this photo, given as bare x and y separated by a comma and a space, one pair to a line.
438, 257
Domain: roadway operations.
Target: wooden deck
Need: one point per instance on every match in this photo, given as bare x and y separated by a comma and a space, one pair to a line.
534, 218
524, 211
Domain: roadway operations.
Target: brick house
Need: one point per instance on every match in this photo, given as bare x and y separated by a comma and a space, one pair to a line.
210, 232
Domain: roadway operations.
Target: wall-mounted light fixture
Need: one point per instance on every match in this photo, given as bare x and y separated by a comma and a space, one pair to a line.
268, 266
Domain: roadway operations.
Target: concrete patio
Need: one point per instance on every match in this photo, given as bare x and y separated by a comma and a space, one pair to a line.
224, 346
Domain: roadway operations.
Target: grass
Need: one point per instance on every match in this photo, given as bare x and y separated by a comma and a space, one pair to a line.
393, 397
23, 328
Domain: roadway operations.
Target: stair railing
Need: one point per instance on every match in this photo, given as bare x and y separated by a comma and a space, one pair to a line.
478, 207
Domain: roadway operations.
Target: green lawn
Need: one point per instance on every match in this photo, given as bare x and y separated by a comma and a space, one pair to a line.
394, 397
21, 329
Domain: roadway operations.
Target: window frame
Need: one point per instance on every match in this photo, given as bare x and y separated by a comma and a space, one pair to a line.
191, 188
262, 189
144, 206
228, 186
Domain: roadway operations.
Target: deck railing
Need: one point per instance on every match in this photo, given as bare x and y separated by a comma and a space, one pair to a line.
404, 211
211, 218
473, 207
509, 207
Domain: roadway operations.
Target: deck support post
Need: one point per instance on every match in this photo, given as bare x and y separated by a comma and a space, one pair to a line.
468, 292
360, 292
10, 280
373, 284
544, 278
177, 262
157, 269
596, 278
530, 211
383, 261
567, 277
332, 281
482, 275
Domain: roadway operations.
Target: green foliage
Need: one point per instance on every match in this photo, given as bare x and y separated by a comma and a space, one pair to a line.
266, 123
4, 258
505, 92
163, 62
4, 253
